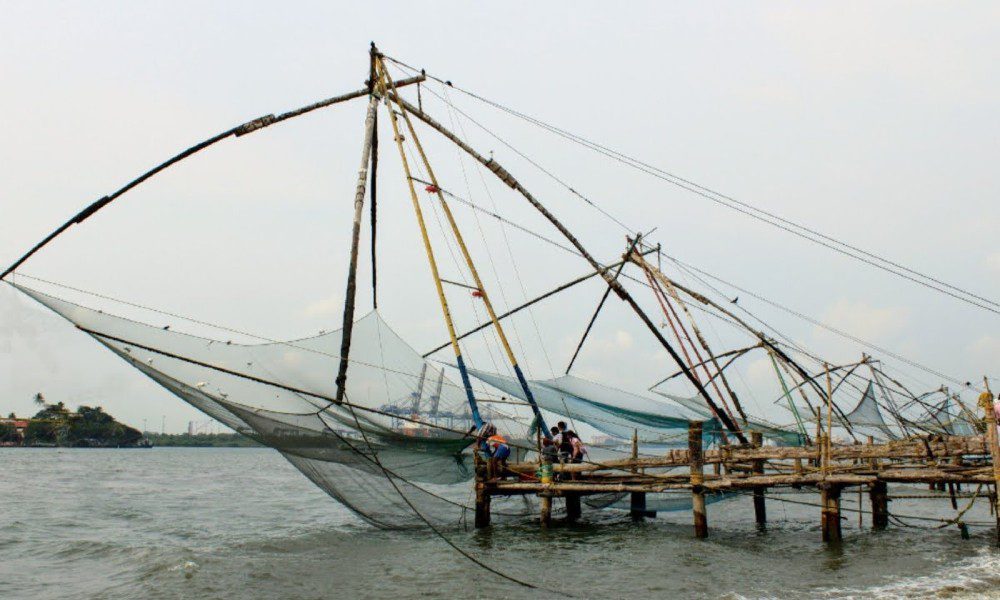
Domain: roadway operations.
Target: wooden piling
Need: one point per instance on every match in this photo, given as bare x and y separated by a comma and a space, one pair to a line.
637, 506
483, 499
545, 510
879, 495
759, 508
574, 509
830, 500
482, 507
697, 479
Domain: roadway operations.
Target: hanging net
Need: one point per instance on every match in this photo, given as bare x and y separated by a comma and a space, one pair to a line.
614, 412
780, 435
944, 419
401, 433
866, 418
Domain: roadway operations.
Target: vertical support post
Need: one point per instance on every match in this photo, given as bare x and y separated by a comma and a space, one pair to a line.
574, 509
879, 495
482, 507
373, 181
545, 510
986, 403
637, 501
759, 509
352, 273
637, 506
483, 499
830, 499
874, 461
635, 450
829, 417
697, 459
819, 437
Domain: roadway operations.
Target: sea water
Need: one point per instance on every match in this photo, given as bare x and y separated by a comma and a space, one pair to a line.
243, 523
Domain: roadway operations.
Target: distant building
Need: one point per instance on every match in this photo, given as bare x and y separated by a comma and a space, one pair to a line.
19, 426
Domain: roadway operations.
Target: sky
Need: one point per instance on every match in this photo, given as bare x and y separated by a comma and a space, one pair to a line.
874, 123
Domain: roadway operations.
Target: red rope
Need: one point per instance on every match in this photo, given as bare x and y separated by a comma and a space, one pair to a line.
668, 309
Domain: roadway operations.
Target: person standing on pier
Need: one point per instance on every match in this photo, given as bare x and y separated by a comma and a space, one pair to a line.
499, 451
578, 450
563, 440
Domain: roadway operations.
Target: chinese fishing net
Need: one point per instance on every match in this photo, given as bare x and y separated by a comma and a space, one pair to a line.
401, 432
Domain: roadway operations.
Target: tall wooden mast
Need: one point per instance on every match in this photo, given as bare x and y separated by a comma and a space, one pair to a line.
352, 273
615, 285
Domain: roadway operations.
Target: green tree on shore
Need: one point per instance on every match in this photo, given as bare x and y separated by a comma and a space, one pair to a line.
8, 433
88, 426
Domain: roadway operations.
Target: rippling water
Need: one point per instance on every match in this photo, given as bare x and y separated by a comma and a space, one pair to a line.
242, 523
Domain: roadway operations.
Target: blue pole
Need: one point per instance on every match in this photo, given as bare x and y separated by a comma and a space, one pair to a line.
476, 417
531, 400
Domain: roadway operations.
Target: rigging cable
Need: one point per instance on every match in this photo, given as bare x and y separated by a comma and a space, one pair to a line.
770, 218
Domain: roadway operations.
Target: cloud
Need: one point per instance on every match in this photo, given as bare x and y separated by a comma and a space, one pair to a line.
331, 305
986, 349
878, 324
993, 262
865, 320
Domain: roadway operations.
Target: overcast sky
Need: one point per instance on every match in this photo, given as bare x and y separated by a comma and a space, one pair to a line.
874, 123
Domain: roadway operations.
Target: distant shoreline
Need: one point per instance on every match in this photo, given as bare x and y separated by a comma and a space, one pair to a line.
201, 440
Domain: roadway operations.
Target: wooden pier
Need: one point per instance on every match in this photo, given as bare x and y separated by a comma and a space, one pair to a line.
754, 468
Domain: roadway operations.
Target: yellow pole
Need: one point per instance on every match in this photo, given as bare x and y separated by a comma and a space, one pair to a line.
428, 249
465, 254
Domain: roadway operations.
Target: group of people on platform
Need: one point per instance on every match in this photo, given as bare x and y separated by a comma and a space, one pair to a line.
562, 445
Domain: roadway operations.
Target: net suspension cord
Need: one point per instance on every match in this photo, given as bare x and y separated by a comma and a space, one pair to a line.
788, 397
507, 178
384, 89
775, 220
673, 319
597, 311
470, 264
708, 350
238, 131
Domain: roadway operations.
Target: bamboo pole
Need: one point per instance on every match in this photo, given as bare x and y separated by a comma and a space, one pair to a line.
879, 495
240, 130
574, 509
829, 414
697, 479
545, 510
669, 286
830, 500
637, 500
428, 249
759, 508
770, 345
487, 302
986, 403
524, 305
352, 273
622, 293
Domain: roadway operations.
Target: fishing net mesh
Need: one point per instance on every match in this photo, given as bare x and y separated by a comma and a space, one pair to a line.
396, 451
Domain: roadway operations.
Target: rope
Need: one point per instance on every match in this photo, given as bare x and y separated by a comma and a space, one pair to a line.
802, 231
416, 511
